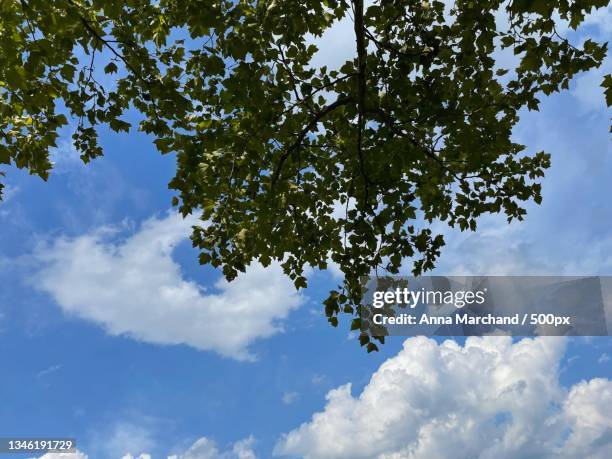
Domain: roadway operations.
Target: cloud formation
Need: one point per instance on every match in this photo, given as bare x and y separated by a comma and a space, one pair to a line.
76, 455
203, 448
487, 399
133, 287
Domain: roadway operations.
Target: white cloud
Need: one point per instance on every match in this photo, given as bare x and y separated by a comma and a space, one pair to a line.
126, 436
47, 371
76, 455
133, 287
290, 397
588, 90
335, 46
129, 440
65, 157
490, 398
205, 448
601, 18
587, 410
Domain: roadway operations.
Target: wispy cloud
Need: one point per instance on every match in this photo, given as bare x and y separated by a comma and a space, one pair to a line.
48, 371
289, 397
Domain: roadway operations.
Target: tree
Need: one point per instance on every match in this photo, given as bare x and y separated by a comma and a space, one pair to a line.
291, 162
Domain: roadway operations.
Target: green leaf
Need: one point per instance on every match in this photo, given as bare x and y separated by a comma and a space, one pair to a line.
110, 68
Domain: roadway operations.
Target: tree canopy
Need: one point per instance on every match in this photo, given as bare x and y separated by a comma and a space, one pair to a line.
286, 160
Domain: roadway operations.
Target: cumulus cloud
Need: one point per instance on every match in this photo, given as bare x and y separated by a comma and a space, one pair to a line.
587, 409
134, 287
487, 399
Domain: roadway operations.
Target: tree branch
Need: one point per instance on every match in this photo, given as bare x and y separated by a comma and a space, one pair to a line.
118, 55
302, 135
361, 89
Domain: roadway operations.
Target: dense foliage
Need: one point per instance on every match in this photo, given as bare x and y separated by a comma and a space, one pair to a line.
285, 160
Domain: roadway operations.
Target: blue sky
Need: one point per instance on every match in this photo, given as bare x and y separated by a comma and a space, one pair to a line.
108, 332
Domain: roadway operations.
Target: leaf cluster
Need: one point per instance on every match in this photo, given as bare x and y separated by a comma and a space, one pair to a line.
286, 160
